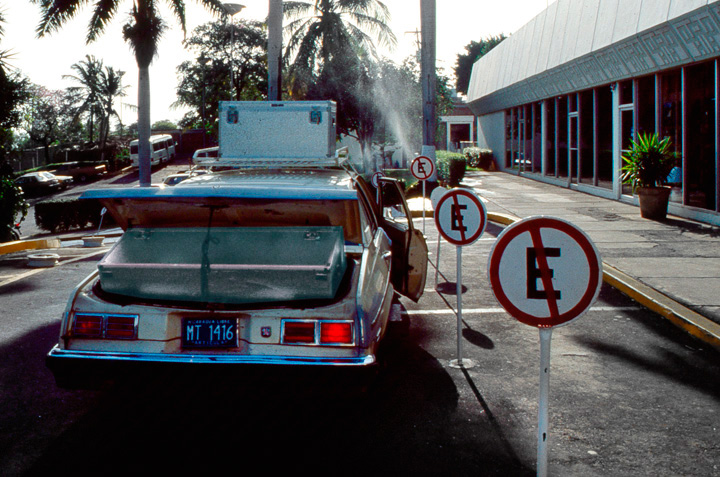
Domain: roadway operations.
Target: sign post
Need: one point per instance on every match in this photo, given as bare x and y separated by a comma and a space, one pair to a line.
460, 217
561, 280
435, 196
422, 168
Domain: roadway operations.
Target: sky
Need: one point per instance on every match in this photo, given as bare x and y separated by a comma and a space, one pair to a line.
46, 60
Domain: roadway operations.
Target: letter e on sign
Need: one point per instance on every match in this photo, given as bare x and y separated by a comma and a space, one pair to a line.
545, 271
460, 217
422, 168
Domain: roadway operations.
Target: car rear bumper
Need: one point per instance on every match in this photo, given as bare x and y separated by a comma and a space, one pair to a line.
85, 369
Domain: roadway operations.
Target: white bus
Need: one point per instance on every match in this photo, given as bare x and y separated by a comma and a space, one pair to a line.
162, 149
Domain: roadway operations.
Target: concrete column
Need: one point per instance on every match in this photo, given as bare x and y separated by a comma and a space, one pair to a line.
427, 25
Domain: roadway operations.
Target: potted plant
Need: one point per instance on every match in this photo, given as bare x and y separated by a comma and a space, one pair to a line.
646, 166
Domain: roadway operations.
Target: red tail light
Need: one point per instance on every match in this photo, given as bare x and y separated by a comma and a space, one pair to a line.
95, 325
121, 327
88, 326
299, 332
336, 333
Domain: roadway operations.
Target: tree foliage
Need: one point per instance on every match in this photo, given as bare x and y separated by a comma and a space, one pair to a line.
230, 63
474, 51
322, 31
142, 32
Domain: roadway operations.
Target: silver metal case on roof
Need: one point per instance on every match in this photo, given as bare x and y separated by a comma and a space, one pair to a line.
277, 131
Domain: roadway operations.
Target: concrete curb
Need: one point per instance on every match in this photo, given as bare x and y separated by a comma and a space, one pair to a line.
692, 322
20, 245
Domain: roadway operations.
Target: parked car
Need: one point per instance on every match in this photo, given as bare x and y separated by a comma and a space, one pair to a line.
174, 179
80, 171
292, 267
205, 153
38, 183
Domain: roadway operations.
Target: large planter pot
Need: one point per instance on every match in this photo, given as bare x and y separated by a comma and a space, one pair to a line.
654, 202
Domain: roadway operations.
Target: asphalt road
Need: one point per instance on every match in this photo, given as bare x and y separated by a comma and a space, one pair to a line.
629, 395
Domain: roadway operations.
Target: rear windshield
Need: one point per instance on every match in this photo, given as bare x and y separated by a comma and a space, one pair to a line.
236, 212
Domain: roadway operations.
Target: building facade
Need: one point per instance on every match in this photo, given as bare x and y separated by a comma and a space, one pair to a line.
561, 99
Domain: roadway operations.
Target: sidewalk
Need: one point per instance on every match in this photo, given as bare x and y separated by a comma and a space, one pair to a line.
672, 267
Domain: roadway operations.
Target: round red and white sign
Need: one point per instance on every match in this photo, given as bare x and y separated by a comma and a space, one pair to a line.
422, 168
375, 179
460, 216
545, 271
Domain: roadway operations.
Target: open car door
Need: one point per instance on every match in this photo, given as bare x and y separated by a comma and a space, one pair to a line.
409, 249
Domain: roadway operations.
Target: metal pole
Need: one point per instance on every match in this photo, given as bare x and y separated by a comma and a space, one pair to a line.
437, 261
275, 17
459, 305
423, 207
542, 448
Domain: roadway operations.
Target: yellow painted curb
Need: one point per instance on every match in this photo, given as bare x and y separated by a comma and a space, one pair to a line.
681, 316
20, 245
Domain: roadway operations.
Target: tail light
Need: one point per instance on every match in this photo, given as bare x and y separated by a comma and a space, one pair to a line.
318, 332
301, 332
96, 325
336, 333
121, 327
88, 325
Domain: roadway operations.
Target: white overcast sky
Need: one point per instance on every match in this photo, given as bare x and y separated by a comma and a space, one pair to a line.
47, 59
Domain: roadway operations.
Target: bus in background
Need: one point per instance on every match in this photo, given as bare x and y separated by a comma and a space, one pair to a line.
162, 149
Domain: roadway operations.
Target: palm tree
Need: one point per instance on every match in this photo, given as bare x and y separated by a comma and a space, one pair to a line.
326, 29
88, 75
110, 87
142, 32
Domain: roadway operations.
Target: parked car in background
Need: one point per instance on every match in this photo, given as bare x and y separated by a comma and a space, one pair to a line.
80, 171
208, 152
41, 182
162, 149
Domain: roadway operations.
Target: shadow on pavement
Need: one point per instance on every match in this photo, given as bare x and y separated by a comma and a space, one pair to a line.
270, 422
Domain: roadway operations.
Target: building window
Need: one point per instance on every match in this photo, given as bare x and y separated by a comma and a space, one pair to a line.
700, 135
550, 138
587, 126
671, 118
604, 145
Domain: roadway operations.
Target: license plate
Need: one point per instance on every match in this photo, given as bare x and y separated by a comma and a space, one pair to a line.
209, 333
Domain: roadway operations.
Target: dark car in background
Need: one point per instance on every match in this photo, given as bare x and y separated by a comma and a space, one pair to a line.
39, 183
79, 171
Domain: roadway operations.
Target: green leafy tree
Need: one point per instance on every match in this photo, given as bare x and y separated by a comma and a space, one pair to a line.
164, 124
142, 32
110, 87
230, 63
322, 31
13, 92
474, 51
87, 74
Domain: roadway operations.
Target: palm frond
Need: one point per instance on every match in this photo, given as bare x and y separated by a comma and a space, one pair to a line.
103, 12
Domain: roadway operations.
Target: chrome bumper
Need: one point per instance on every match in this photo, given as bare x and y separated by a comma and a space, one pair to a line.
66, 357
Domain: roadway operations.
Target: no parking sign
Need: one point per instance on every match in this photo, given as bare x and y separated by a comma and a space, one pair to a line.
460, 217
546, 273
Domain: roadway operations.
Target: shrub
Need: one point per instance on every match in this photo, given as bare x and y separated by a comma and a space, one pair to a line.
65, 214
13, 208
478, 157
450, 168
